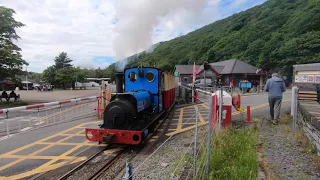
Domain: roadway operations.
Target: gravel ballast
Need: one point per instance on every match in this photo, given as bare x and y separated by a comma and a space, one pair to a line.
287, 155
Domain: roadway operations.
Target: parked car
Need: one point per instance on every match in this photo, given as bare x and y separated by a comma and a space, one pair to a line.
199, 83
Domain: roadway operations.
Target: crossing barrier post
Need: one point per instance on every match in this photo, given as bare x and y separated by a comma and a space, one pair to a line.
248, 115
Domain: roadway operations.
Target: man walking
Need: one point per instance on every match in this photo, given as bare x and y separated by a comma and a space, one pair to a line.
275, 87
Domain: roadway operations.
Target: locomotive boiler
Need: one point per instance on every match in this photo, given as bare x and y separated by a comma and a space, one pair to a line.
142, 96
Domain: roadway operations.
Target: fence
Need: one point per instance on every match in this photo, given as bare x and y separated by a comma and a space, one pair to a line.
201, 139
303, 119
27, 118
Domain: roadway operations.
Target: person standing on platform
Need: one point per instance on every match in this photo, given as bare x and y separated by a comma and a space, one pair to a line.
275, 87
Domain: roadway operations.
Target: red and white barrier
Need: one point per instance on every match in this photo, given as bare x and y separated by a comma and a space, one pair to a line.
205, 92
35, 106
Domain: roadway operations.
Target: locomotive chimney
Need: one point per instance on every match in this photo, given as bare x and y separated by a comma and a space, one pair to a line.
119, 82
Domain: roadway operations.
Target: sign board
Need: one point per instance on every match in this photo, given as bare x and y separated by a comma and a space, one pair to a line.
298, 79
317, 79
312, 79
305, 78
176, 74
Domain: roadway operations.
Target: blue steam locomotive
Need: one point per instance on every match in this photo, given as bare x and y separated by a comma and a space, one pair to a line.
136, 106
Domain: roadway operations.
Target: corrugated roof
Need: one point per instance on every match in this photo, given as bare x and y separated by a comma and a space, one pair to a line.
217, 69
185, 69
307, 67
235, 66
231, 66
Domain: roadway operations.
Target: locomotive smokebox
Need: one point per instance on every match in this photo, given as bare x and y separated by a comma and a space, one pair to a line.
119, 82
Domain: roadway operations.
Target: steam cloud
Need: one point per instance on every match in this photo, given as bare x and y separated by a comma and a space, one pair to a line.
138, 18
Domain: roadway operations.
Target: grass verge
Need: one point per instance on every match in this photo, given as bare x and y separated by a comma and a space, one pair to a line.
233, 155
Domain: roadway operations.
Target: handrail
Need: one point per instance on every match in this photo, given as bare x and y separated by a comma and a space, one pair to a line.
36, 106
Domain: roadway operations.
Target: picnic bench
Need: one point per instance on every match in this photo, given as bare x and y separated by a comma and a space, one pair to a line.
7, 97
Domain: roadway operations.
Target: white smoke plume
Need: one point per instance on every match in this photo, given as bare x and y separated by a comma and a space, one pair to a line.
138, 18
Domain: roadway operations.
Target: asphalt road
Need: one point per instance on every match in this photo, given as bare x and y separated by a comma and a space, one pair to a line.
26, 144
30, 119
33, 118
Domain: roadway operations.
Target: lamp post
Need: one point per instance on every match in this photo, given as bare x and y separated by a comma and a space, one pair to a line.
205, 67
27, 78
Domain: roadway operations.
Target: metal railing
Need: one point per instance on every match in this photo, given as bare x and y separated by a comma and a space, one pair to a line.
27, 118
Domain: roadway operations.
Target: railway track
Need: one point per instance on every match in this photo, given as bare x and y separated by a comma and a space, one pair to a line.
100, 171
101, 164
105, 167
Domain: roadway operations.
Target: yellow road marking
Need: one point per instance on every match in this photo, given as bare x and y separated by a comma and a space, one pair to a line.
186, 129
47, 166
38, 157
86, 143
39, 170
176, 131
200, 116
180, 119
34, 153
205, 106
154, 137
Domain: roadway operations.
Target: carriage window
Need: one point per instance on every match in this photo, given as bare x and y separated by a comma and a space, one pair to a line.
132, 76
150, 76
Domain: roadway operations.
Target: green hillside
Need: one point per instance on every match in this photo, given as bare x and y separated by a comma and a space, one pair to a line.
278, 33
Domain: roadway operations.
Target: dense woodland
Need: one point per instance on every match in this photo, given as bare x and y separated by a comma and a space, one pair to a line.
272, 36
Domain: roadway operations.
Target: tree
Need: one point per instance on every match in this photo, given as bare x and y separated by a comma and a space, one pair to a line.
49, 74
11, 62
110, 71
62, 61
99, 73
36, 76
70, 75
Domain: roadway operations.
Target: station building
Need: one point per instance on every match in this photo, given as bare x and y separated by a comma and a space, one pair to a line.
227, 70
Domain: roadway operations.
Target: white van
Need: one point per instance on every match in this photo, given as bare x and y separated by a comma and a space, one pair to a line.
199, 83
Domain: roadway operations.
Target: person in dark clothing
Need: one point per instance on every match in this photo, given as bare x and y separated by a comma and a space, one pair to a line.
13, 95
275, 87
5, 95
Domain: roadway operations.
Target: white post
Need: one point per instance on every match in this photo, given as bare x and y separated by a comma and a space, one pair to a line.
8, 131
220, 107
292, 100
209, 136
27, 78
30, 123
19, 124
195, 147
192, 89
294, 108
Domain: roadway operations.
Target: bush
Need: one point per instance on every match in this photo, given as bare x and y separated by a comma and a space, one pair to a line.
233, 155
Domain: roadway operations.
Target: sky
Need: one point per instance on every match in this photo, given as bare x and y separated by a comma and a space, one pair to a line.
96, 33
